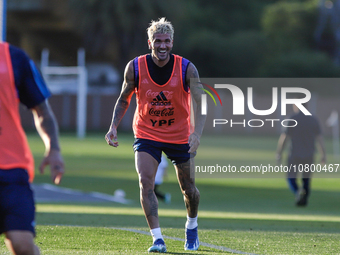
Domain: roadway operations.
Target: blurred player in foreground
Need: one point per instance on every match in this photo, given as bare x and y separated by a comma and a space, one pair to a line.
161, 81
21, 82
303, 138
161, 172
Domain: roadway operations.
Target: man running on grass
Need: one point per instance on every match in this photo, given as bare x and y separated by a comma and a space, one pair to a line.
161, 81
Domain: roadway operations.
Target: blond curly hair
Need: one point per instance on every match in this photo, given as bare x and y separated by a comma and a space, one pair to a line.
161, 26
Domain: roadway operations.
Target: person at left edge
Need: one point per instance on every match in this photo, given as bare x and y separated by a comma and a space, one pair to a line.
22, 83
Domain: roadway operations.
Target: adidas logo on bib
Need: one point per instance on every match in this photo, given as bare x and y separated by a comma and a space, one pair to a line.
160, 100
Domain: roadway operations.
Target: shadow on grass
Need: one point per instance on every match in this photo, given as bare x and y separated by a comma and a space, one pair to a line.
135, 221
215, 197
196, 253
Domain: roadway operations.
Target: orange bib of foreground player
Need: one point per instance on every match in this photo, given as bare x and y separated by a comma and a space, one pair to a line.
14, 149
163, 111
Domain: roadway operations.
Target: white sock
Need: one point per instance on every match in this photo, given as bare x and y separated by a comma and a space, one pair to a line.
191, 223
156, 234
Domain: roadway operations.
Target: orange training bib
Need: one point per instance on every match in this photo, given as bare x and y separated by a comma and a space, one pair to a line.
14, 149
163, 111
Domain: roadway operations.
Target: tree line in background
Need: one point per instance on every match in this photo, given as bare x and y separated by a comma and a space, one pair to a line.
231, 38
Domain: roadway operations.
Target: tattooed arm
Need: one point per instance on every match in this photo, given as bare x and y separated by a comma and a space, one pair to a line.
194, 139
47, 128
122, 104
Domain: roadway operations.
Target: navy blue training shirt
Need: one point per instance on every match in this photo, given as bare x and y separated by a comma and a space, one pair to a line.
303, 135
31, 88
161, 75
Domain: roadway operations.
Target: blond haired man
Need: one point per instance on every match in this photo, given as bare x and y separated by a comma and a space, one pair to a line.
161, 81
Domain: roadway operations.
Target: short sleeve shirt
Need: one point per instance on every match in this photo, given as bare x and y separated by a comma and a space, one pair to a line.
303, 135
31, 88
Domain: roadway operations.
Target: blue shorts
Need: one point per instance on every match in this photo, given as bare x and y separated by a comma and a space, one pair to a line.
177, 153
16, 201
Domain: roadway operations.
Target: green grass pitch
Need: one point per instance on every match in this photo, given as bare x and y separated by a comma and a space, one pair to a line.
252, 215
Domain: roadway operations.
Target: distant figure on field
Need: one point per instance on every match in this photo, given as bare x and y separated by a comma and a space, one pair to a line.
303, 137
161, 172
